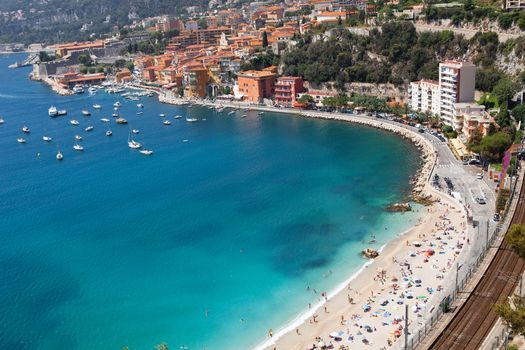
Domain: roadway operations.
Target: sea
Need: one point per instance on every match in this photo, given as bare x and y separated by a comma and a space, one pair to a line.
206, 244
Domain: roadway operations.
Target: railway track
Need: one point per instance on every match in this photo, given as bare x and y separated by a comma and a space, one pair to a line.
475, 319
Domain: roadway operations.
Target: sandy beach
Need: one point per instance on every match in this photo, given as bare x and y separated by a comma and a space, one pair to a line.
368, 310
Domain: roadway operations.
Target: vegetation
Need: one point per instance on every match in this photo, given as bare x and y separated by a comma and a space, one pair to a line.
261, 60
493, 146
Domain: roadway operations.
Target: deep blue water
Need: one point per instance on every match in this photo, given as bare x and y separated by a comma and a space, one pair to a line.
110, 248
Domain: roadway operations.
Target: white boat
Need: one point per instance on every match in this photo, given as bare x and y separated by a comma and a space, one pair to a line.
243, 116
109, 133
117, 104
191, 120
140, 105
121, 121
115, 115
140, 113
21, 140
52, 111
96, 106
92, 89
86, 113
166, 122
178, 117
232, 112
61, 112
146, 152
78, 147
26, 130
78, 89
1, 120
47, 138
59, 156
74, 122
162, 115
104, 120
133, 144
135, 131
78, 137
115, 108
89, 128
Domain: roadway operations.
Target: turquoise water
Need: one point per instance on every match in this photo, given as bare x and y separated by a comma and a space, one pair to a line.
110, 248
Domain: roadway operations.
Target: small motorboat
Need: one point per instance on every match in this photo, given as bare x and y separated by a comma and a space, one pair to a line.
117, 104
26, 130
231, 112
59, 156
243, 116
166, 122
178, 117
121, 121
109, 133
89, 128
21, 140
78, 137
1, 120
47, 138
52, 111
135, 131
78, 147
86, 113
115, 115
162, 115
140, 105
134, 144
97, 106
140, 113
146, 152
74, 122
61, 112
104, 120
191, 120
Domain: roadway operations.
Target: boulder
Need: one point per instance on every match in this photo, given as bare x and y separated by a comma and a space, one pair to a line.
370, 253
399, 207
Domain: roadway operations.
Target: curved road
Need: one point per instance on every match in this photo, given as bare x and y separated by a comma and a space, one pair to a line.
474, 320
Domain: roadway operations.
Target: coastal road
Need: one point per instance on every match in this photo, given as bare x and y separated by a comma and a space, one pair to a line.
475, 319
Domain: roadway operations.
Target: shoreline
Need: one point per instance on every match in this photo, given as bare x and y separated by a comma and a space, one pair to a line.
441, 210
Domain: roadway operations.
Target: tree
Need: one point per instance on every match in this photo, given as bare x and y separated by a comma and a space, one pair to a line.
83, 69
84, 59
308, 99
100, 69
475, 140
516, 239
494, 146
504, 90
130, 66
518, 113
513, 313
265, 39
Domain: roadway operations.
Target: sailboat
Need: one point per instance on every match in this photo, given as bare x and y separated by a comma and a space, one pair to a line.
132, 143
78, 147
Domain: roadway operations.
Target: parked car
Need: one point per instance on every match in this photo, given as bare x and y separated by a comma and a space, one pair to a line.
496, 217
481, 200
479, 176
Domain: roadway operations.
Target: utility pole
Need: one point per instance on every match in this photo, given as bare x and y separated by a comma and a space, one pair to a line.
487, 235
406, 326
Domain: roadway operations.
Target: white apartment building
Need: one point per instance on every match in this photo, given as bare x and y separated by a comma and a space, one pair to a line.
457, 84
425, 96
514, 4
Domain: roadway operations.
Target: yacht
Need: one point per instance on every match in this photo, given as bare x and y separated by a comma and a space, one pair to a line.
78, 137
162, 115
86, 113
178, 117
21, 140
109, 133
26, 130
78, 89
52, 111
191, 120
166, 122
140, 105
74, 122
78, 147
104, 120
135, 131
59, 156
96, 106
92, 90
146, 152
121, 121
89, 128
47, 138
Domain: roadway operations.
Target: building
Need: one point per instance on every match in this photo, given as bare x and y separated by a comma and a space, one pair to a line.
197, 83
456, 82
256, 85
286, 90
470, 117
425, 96
123, 75
514, 4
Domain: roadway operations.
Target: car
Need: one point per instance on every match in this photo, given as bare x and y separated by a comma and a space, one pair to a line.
496, 217
479, 176
465, 161
421, 130
481, 200
474, 162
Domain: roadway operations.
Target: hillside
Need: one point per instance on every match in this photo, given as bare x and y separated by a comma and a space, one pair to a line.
51, 20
